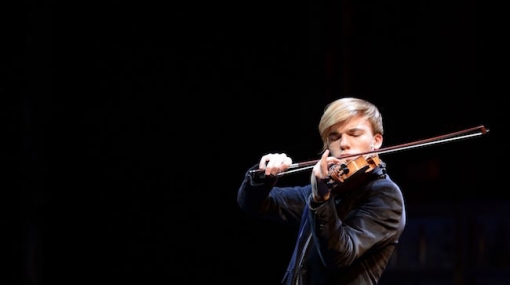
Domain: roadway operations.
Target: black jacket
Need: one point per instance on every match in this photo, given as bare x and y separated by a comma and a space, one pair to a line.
346, 240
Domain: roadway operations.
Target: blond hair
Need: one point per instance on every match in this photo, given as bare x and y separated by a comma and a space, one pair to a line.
343, 109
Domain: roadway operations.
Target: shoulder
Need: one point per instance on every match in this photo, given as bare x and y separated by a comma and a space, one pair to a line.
386, 189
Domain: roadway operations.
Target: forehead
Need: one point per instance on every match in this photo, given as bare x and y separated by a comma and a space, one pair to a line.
357, 123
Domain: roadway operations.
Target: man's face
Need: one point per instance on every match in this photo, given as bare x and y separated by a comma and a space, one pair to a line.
352, 137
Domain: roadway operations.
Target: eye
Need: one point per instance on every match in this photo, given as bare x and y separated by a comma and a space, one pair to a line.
356, 133
334, 136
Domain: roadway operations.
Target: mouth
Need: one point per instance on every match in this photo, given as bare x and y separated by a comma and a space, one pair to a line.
344, 158
345, 155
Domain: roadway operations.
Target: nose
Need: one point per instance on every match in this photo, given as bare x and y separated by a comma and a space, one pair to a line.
344, 144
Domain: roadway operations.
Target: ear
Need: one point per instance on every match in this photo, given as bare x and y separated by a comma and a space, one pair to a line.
378, 140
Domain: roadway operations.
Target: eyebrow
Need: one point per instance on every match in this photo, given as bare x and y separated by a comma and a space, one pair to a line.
352, 130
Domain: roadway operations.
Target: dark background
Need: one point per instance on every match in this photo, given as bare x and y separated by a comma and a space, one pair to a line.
129, 127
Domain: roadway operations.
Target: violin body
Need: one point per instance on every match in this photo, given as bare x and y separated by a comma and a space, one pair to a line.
341, 172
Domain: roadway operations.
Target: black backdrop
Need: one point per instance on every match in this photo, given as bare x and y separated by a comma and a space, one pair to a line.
129, 127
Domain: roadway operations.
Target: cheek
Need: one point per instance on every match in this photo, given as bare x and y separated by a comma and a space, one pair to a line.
335, 152
334, 148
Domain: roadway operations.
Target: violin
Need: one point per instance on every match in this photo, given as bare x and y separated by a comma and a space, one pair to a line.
341, 172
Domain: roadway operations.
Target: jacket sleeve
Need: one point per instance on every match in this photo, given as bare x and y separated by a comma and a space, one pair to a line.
344, 235
260, 197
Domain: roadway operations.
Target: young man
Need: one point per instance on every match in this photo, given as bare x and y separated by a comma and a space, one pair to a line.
350, 216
